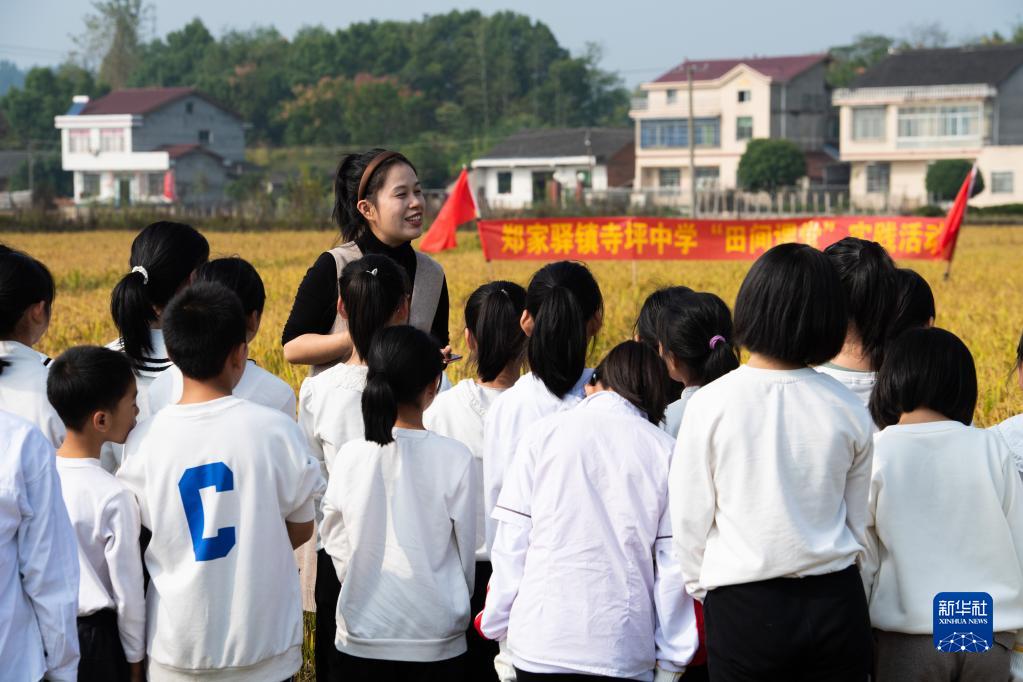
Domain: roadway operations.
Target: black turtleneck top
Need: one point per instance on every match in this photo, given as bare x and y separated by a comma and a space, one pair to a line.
315, 306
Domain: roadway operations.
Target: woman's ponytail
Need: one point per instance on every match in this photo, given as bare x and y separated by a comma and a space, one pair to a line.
492, 315
403, 361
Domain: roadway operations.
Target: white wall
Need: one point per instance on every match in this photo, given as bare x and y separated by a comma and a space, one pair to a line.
521, 195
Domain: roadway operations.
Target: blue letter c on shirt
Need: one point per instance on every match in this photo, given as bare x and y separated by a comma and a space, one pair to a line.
192, 481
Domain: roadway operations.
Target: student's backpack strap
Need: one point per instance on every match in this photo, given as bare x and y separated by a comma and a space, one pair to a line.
425, 292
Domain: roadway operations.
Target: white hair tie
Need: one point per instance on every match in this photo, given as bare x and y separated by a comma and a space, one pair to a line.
373, 272
145, 275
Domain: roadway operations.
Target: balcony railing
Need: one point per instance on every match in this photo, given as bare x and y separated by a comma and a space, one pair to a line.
640, 104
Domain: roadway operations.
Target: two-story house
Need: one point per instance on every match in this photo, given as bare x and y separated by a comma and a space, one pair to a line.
914, 108
150, 145
734, 101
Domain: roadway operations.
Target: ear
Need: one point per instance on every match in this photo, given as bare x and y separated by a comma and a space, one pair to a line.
401, 315
526, 322
100, 421
595, 323
367, 209
253, 320
341, 309
470, 341
239, 356
38, 312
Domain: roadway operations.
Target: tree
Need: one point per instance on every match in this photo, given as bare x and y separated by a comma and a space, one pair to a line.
849, 61
944, 178
176, 61
29, 110
112, 38
50, 180
770, 164
10, 76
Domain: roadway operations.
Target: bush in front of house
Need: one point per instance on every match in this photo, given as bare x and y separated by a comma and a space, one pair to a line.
944, 178
769, 165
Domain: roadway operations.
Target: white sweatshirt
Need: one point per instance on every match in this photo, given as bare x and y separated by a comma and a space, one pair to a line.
39, 576
459, 413
860, 382
400, 527
216, 482
105, 517
1011, 432
256, 385
509, 419
945, 515
23, 390
770, 478
330, 410
584, 575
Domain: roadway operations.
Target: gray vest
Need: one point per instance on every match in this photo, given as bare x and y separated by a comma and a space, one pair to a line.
426, 290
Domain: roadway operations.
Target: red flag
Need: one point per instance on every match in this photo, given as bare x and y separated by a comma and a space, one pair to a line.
169, 186
954, 219
459, 208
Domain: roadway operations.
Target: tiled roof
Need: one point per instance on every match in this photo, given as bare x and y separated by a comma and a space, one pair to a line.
951, 66
176, 151
551, 143
780, 69
143, 101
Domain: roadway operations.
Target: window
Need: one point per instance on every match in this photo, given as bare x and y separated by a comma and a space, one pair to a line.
90, 185
745, 95
154, 184
111, 140
189, 107
669, 178
79, 141
1001, 182
504, 182
938, 124
878, 175
672, 96
205, 137
707, 177
744, 128
868, 123
659, 133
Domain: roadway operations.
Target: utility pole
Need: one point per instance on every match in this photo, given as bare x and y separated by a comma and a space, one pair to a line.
692, 143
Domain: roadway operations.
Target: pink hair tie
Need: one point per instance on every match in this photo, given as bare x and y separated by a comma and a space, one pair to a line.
715, 340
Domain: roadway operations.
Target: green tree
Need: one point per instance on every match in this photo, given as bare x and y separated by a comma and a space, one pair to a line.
849, 61
770, 164
176, 61
112, 38
944, 178
29, 110
50, 180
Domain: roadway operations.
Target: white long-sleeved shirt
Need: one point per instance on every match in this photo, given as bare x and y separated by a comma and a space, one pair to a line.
674, 412
860, 382
945, 515
584, 575
1011, 432
330, 410
400, 527
23, 390
509, 419
38, 570
216, 482
256, 385
459, 413
770, 478
105, 517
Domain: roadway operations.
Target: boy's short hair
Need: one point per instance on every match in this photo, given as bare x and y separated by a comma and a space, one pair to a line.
792, 306
238, 275
85, 380
202, 325
927, 367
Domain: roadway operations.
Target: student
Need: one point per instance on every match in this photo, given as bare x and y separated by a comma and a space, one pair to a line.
650, 314
400, 526
374, 293
870, 282
39, 588
1011, 430
26, 302
585, 581
378, 204
93, 391
914, 304
226, 487
972, 540
769, 486
498, 344
695, 339
564, 311
257, 384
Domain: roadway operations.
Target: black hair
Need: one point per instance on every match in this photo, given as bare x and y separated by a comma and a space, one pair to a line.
914, 304
492, 314
649, 315
346, 189
238, 275
868, 276
372, 289
927, 367
687, 328
86, 379
24, 281
1019, 353
202, 325
169, 252
635, 371
402, 361
562, 298
792, 307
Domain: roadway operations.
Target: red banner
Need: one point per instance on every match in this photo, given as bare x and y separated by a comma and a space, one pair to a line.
637, 238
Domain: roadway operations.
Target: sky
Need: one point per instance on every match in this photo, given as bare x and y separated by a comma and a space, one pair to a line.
640, 39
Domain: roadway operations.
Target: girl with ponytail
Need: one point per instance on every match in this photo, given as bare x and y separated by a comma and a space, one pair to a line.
379, 207
400, 526
694, 334
374, 293
26, 302
497, 344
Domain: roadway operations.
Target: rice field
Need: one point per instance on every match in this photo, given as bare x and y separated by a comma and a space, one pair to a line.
982, 302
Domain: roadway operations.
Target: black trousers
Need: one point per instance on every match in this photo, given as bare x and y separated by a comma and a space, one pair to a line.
103, 657
326, 593
481, 653
356, 669
815, 628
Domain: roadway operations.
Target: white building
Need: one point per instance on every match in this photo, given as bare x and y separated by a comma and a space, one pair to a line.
150, 145
535, 166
